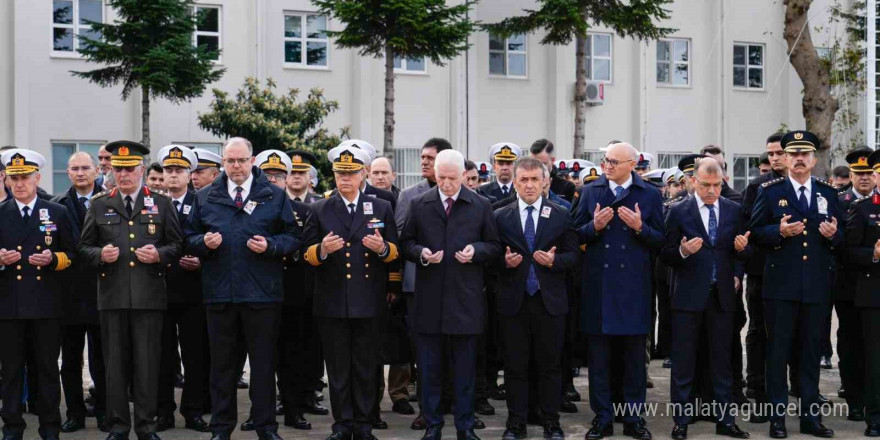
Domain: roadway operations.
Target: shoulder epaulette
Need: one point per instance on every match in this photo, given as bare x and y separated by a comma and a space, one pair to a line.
826, 183
861, 200
671, 202
772, 182
842, 193
327, 194
100, 194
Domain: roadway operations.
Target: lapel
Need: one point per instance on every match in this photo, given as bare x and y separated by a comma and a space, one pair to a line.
12, 210
694, 210
513, 220
35, 216
138, 203
359, 217
337, 205
219, 193
115, 202
438, 205
792, 197
542, 223
187, 201
606, 196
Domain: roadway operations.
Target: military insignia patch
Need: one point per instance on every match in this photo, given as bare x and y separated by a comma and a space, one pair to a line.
783, 202
48, 240
151, 228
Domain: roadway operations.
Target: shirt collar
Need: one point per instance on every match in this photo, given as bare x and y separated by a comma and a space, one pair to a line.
133, 195
348, 202
180, 199
29, 205
523, 205
859, 196
701, 203
246, 185
797, 186
612, 184
443, 197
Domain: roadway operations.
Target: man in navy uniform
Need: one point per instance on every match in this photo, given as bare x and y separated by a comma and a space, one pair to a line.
503, 155
184, 323
532, 297
862, 256
207, 170
350, 239
37, 242
130, 235
704, 253
619, 220
795, 219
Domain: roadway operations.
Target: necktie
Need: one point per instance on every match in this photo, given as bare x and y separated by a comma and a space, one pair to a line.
25, 213
297, 199
532, 280
618, 190
449, 202
239, 202
176, 205
128, 207
84, 203
803, 199
713, 233
351, 207
504, 190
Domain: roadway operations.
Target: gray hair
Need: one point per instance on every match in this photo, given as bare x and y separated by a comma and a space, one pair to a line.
709, 166
92, 159
238, 140
449, 157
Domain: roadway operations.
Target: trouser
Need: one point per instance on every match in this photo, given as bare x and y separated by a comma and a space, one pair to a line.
73, 341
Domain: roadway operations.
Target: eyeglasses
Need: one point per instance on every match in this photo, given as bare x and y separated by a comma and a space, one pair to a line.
273, 177
709, 185
78, 169
614, 163
118, 170
240, 161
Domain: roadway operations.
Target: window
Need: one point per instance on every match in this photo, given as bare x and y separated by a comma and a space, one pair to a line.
748, 66
507, 56
408, 164
594, 156
745, 168
210, 146
305, 40
61, 151
674, 62
207, 32
413, 65
668, 160
599, 57
70, 19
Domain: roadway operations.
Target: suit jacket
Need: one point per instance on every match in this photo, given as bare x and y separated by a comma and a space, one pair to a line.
562, 187
862, 233
799, 268
299, 278
351, 282
755, 265
449, 295
81, 280
492, 190
401, 214
554, 229
731, 194
27, 291
127, 283
616, 284
184, 286
692, 281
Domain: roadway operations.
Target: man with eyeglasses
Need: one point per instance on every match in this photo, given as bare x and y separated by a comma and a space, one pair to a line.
619, 220
241, 228
81, 305
130, 235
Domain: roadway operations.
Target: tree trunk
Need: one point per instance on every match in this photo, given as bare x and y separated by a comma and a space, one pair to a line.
580, 94
388, 144
145, 116
818, 106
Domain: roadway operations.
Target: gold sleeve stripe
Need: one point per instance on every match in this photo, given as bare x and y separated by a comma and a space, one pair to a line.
395, 276
312, 255
392, 253
583, 248
63, 261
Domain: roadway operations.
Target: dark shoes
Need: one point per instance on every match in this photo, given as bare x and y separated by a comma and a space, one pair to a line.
567, 407
637, 430
825, 363
220, 436
418, 423
340, 435
179, 380
402, 406
164, 423
242, 384
377, 423
856, 415
432, 433
777, 429
150, 436
478, 423
841, 392
498, 393
571, 395
516, 431
667, 363
297, 421
816, 429
730, 430
73, 425
268, 435
552, 431
316, 409
679, 432
466, 435
483, 408
247, 425
599, 431
114, 436
196, 423
873, 430
364, 436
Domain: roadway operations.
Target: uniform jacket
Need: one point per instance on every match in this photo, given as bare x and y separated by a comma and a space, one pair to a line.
845, 279
232, 273
554, 229
755, 265
81, 280
799, 268
351, 282
449, 296
27, 291
492, 190
692, 281
299, 278
127, 283
184, 286
401, 213
862, 232
616, 287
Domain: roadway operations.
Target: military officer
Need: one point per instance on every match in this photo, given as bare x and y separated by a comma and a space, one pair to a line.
503, 155
37, 241
298, 181
207, 170
350, 238
795, 218
131, 234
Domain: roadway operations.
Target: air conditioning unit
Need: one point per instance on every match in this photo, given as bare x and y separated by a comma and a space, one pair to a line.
595, 93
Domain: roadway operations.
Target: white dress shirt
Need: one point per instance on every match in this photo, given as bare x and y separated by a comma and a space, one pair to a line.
523, 212
625, 185
797, 189
30, 206
443, 197
180, 200
245, 187
348, 202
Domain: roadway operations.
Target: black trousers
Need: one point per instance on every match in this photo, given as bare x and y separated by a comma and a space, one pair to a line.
186, 325
41, 337
664, 319
687, 329
851, 350
351, 351
73, 340
132, 350
794, 325
461, 350
600, 373
756, 337
537, 336
257, 325
296, 361
870, 330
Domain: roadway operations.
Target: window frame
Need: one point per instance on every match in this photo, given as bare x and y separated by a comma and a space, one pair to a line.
403, 70
218, 34
304, 40
407, 165
591, 57
672, 62
507, 52
663, 158
63, 172
75, 26
749, 67
748, 177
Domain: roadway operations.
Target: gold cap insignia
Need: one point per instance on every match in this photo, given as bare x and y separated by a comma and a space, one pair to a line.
122, 151
798, 136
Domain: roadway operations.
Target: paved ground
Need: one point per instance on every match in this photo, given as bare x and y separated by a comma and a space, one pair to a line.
575, 425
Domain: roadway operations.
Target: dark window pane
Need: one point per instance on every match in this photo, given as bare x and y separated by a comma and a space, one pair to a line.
316, 54
756, 78
293, 26
90, 34
496, 64
210, 19
739, 76
496, 43
60, 153
516, 42
292, 52
756, 55
60, 181
517, 65
739, 55
662, 51
589, 48
90, 10
62, 12
417, 64
663, 73
62, 40
210, 42
315, 26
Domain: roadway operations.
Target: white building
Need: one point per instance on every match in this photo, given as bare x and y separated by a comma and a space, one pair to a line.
722, 77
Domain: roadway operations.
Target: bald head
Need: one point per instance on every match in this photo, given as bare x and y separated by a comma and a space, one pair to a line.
620, 161
382, 173
625, 149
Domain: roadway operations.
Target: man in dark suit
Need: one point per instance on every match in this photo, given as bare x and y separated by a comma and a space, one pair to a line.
382, 175
543, 150
241, 227
796, 219
184, 322
451, 235
37, 234
503, 155
703, 240
81, 305
619, 220
532, 299
862, 257
350, 239
130, 236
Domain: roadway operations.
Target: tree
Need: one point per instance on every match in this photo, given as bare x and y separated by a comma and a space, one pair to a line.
567, 20
151, 47
400, 29
273, 121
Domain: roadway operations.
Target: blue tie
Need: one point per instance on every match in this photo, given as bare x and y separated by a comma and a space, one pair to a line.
713, 233
803, 199
617, 191
532, 280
